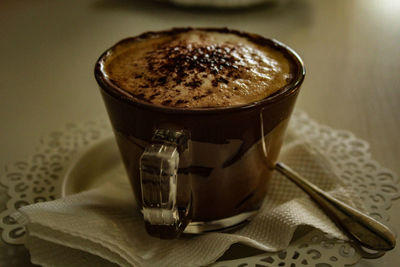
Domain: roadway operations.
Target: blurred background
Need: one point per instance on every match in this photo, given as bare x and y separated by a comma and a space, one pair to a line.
350, 48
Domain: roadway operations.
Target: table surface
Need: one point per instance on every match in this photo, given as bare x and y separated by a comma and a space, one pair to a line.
350, 48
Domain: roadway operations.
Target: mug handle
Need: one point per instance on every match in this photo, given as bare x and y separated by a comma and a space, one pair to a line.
166, 211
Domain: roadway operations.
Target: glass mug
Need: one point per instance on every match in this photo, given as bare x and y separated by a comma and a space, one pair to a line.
201, 169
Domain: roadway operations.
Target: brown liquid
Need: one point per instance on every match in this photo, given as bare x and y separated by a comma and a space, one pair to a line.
196, 69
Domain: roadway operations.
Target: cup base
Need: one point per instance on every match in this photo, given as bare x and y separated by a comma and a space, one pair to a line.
222, 225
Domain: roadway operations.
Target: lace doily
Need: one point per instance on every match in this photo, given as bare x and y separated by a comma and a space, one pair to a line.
38, 178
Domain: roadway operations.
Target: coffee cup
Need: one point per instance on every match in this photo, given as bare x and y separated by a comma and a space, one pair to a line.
195, 169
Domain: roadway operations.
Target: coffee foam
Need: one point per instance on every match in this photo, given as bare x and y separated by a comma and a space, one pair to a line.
197, 69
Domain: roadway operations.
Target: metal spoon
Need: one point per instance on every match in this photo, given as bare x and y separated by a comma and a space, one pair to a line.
364, 230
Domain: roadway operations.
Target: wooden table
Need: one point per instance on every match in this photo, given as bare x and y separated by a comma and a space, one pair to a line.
351, 49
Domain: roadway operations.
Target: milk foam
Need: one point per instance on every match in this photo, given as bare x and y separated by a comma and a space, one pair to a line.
197, 69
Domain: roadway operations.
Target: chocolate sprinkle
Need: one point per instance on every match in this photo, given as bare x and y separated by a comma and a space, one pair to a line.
187, 72
186, 58
166, 102
223, 80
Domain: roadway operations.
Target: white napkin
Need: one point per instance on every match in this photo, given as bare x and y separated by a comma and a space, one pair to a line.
102, 227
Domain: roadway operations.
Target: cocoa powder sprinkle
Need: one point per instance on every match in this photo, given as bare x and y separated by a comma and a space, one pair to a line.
183, 59
200, 70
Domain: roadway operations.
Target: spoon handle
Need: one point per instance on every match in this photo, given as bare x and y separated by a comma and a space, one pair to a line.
363, 229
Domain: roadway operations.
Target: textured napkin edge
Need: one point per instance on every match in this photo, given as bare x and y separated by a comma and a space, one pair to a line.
62, 256
22, 216
69, 240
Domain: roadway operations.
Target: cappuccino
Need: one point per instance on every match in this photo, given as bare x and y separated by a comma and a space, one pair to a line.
198, 69
199, 116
